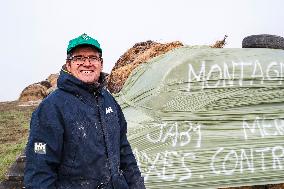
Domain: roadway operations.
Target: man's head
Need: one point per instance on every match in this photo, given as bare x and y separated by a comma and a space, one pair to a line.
84, 59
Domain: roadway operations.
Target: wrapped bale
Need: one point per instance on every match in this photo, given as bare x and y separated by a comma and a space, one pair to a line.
207, 118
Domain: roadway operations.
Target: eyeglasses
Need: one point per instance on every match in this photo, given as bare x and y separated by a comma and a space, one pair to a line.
82, 59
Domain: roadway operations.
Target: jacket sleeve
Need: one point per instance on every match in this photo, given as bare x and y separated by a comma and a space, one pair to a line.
43, 150
128, 162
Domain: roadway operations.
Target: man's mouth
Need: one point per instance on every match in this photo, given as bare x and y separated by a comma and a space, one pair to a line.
86, 71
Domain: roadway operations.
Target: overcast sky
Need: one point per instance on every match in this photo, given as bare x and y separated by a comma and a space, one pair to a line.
35, 33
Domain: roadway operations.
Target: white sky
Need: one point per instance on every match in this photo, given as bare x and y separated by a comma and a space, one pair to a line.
35, 33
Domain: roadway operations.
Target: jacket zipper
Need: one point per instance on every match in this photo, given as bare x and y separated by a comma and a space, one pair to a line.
104, 136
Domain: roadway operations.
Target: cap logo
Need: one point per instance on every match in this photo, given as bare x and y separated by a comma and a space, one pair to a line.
84, 36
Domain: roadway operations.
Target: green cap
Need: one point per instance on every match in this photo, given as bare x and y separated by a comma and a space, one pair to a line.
83, 39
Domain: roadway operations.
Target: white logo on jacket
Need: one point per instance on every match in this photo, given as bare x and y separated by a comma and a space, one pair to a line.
40, 148
108, 110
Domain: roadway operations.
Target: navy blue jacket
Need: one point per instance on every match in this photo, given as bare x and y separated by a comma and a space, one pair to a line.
78, 140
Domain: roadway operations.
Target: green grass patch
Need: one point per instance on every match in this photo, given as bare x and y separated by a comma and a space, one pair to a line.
14, 127
9, 156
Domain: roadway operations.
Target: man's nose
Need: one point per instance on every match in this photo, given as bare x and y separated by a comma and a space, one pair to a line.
87, 62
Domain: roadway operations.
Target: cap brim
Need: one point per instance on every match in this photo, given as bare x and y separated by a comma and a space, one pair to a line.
84, 44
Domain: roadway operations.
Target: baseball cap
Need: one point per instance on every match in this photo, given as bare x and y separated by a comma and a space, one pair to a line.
83, 39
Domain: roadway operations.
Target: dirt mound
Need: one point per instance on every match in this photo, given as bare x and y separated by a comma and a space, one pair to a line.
40, 90
139, 53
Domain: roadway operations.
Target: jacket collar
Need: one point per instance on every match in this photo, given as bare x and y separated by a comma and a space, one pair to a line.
69, 83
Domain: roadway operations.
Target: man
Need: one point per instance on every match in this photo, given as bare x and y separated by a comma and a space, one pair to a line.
78, 133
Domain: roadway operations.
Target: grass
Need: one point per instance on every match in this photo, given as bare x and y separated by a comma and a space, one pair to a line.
14, 126
10, 155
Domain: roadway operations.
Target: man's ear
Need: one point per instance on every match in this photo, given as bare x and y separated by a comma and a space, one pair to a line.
68, 66
102, 64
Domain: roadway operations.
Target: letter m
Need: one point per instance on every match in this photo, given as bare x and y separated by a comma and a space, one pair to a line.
192, 76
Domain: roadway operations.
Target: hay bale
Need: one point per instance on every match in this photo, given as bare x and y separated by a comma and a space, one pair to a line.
138, 54
220, 44
131, 54
45, 84
33, 92
38, 91
52, 78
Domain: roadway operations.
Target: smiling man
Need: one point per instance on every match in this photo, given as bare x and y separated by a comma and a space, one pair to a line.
78, 133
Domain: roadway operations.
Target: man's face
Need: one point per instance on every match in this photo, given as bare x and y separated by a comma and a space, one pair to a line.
85, 69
